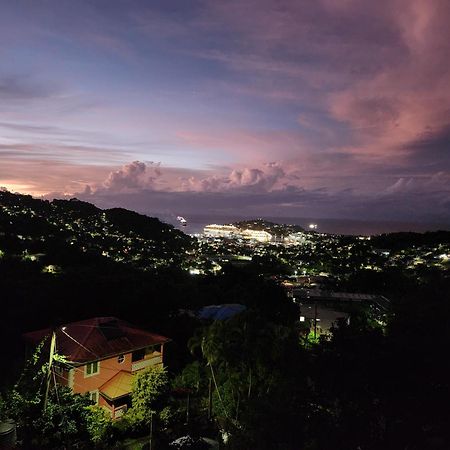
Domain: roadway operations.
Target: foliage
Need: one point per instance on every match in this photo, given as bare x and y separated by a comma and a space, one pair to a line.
64, 421
192, 377
24, 402
67, 420
364, 387
251, 362
167, 416
149, 386
3, 408
99, 424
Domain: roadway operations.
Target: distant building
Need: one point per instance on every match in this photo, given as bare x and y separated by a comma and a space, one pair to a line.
226, 231
231, 231
296, 238
323, 309
321, 319
319, 295
256, 235
103, 354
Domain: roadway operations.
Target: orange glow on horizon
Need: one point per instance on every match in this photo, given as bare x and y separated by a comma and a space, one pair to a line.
21, 188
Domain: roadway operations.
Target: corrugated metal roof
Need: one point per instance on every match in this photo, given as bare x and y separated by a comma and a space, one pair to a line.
97, 338
118, 386
220, 312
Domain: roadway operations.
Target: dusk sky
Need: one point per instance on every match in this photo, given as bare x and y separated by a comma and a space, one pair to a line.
325, 108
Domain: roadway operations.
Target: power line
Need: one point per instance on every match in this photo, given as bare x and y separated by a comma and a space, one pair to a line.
79, 343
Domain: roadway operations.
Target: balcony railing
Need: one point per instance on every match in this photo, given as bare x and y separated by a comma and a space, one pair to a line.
152, 360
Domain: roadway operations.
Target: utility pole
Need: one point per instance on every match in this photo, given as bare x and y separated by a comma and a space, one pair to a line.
151, 431
210, 399
188, 407
315, 320
49, 370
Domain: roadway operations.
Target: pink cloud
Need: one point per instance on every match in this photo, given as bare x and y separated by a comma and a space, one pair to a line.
401, 101
263, 179
133, 176
139, 176
378, 68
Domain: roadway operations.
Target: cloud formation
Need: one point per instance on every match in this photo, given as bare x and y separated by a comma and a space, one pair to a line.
350, 98
134, 176
269, 190
262, 179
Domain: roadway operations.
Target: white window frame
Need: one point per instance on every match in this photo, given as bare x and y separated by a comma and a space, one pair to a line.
94, 396
91, 364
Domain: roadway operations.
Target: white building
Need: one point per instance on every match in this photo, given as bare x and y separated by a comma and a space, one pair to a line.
226, 231
256, 235
296, 238
231, 231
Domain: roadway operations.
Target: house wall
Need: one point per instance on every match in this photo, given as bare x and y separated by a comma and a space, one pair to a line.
83, 383
62, 375
77, 379
107, 369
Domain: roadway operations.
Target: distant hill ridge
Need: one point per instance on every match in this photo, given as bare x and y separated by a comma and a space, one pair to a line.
270, 227
27, 224
396, 240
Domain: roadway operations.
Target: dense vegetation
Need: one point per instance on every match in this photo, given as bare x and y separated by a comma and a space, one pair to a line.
370, 385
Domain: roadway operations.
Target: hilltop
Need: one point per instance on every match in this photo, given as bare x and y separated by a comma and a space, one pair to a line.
271, 227
49, 231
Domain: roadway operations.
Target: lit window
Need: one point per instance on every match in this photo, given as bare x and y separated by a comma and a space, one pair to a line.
92, 368
120, 359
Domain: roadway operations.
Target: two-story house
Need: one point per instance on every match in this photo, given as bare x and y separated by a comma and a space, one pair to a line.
103, 354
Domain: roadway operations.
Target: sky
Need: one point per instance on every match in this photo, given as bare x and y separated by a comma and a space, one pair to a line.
324, 108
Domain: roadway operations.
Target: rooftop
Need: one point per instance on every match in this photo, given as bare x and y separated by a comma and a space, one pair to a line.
97, 338
118, 386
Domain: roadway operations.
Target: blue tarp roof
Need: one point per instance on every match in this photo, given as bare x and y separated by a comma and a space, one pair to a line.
220, 312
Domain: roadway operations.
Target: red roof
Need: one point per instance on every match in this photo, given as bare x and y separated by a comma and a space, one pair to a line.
97, 338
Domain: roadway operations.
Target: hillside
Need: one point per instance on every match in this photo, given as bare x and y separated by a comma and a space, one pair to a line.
364, 384
66, 259
270, 227
49, 232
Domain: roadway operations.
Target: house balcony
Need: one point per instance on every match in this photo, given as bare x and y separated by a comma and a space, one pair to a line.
153, 359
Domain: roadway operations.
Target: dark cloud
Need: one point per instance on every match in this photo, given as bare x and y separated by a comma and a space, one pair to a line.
398, 204
431, 151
